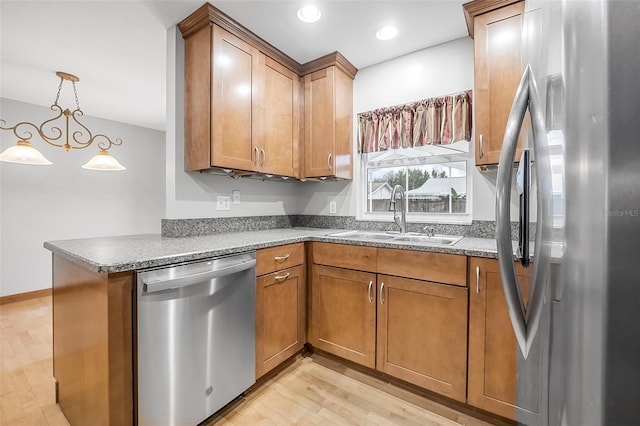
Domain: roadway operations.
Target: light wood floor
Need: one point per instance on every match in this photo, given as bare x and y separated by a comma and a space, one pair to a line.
315, 390
310, 391
27, 390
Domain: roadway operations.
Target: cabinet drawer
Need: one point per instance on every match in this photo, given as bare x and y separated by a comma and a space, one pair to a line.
436, 267
345, 256
280, 257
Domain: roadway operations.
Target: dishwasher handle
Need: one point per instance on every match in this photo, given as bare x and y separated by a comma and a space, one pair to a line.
174, 283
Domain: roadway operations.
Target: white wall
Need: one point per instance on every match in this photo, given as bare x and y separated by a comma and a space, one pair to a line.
64, 201
193, 195
436, 71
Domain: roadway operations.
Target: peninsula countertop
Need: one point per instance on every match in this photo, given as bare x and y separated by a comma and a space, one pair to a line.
133, 252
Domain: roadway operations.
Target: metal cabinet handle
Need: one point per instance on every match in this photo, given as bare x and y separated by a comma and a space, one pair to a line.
381, 294
257, 157
264, 157
369, 291
481, 145
282, 277
477, 279
281, 258
329, 161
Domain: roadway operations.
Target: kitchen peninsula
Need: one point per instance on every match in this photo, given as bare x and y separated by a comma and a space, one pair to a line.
94, 307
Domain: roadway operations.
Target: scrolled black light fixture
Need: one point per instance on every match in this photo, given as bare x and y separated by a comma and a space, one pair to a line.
24, 153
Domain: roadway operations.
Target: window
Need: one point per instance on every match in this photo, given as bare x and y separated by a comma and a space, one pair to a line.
435, 179
423, 146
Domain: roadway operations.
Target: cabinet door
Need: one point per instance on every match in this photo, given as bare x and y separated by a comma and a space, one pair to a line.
328, 123
343, 313
279, 127
422, 334
280, 317
319, 118
343, 137
233, 101
498, 69
495, 362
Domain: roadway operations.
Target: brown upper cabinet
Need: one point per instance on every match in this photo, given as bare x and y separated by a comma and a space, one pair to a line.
496, 27
328, 118
244, 104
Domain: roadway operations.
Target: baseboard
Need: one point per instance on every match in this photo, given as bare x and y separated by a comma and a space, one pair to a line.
25, 296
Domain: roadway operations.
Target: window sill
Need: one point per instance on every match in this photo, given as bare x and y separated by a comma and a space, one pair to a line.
457, 219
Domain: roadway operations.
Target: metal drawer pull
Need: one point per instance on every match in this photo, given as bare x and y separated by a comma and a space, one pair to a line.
329, 161
264, 157
255, 162
282, 277
381, 294
369, 291
281, 258
477, 279
481, 146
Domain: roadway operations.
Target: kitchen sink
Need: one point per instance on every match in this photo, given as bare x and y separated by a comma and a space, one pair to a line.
365, 235
397, 237
436, 239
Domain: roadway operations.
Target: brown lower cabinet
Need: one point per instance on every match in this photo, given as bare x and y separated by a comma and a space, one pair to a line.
414, 330
494, 356
281, 305
92, 344
422, 334
280, 317
343, 313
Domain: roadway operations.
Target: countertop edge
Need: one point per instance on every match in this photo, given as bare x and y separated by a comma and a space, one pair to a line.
133, 264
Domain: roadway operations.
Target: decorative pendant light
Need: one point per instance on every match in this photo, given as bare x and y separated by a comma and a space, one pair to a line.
103, 161
24, 153
78, 137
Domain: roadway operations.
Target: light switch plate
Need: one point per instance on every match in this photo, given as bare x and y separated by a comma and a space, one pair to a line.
332, 207
223, 202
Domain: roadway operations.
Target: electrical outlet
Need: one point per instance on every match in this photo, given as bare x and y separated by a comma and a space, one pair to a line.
332, 207
235, 196
223, 202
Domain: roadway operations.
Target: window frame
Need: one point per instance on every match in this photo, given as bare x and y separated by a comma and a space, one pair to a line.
362, 213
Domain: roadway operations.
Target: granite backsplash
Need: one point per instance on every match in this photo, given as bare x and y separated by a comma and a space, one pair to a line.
178, 228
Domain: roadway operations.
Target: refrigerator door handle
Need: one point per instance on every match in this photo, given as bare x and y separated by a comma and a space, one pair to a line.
524, 318
524, 186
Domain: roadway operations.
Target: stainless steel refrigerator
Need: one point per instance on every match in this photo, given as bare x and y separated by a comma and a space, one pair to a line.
579, 334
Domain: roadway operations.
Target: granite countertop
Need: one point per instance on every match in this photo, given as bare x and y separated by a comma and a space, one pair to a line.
132, 252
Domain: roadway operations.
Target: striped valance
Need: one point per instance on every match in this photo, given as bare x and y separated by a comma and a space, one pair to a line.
434, 121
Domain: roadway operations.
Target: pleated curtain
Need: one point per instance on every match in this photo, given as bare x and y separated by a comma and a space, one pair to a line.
435, 121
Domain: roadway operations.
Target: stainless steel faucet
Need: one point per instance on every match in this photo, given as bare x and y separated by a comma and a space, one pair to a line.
402, 220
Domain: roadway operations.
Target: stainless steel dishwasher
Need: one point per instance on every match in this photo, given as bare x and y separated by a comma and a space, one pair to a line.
195, 338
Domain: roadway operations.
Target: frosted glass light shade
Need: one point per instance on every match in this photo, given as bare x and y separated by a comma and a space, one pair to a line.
103, 162
24, 153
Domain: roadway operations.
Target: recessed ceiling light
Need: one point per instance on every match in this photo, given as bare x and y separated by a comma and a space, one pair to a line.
309, 13
387, 33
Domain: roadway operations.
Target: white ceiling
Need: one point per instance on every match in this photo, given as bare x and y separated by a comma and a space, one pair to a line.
118, 48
